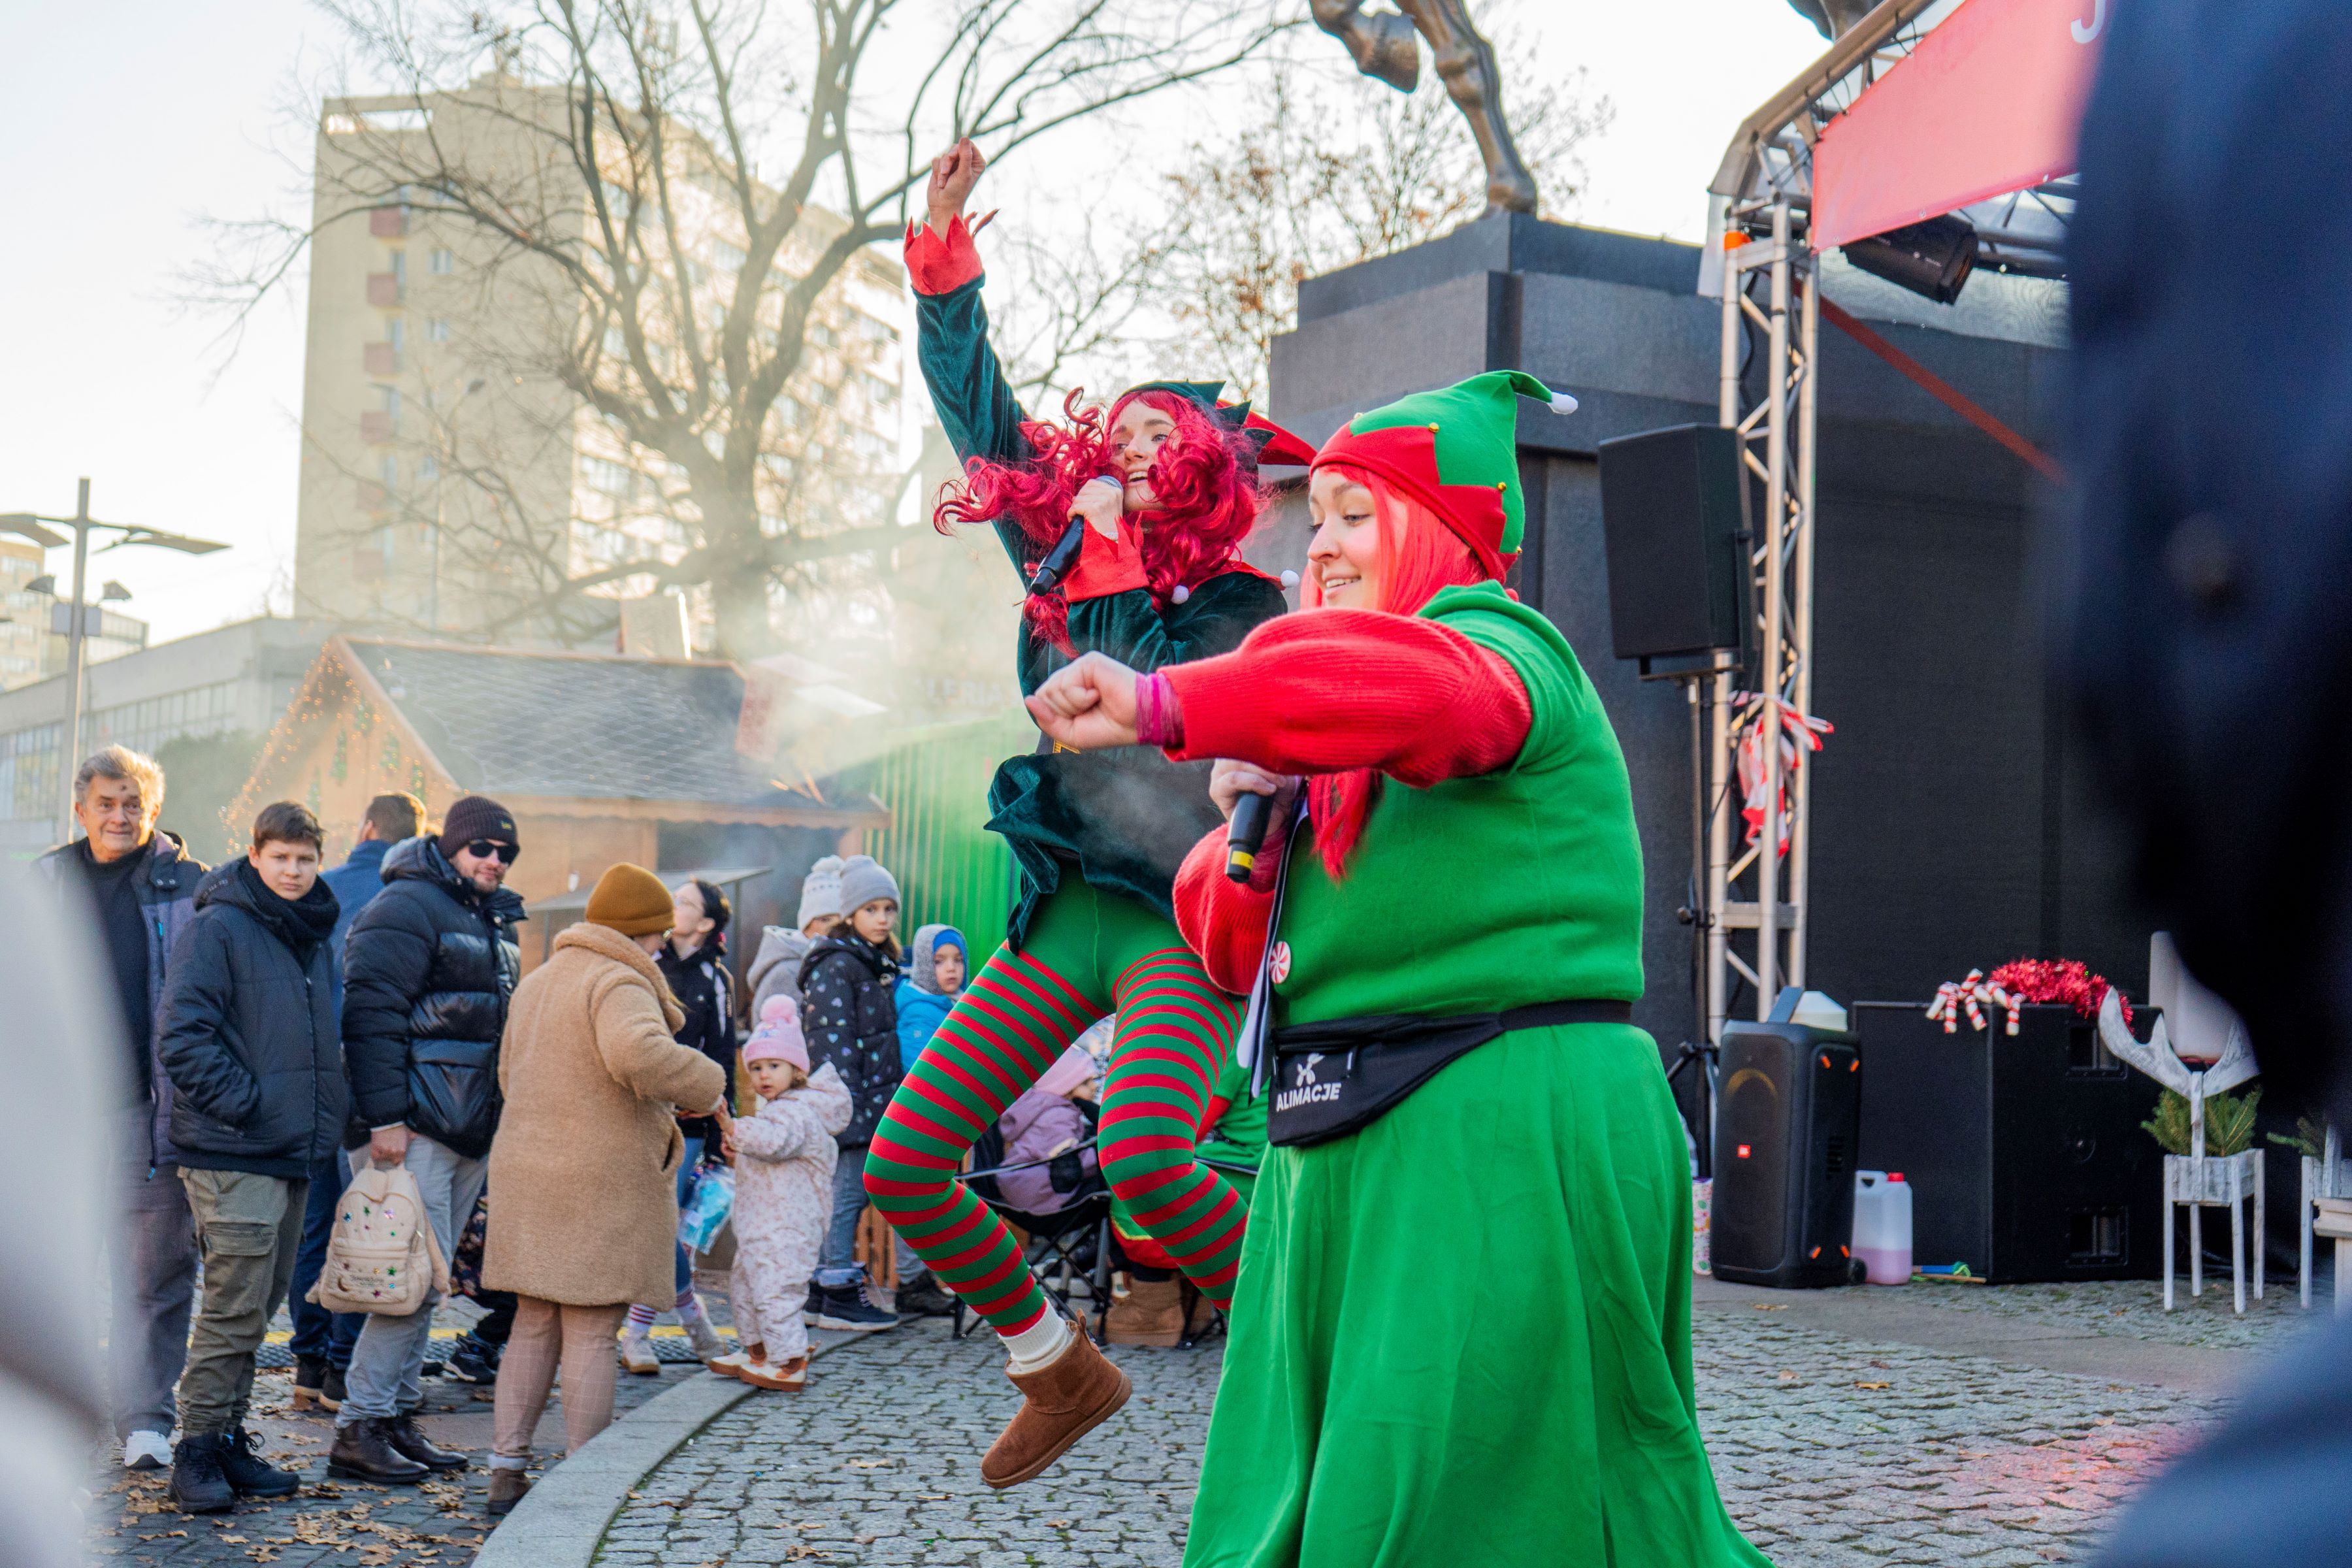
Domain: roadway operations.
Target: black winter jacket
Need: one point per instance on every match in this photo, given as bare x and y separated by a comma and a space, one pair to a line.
247, 1030
427, 970
849, 1015
705, 990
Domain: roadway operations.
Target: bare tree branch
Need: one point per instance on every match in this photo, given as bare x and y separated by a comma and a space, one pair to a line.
644, 296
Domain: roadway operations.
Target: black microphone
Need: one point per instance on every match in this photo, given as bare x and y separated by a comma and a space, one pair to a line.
1064, 554
1245, 834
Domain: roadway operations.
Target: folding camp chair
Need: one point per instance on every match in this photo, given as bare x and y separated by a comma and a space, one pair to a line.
1068, 1248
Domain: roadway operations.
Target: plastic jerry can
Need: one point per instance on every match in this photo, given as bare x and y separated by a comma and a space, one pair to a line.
1882, 1225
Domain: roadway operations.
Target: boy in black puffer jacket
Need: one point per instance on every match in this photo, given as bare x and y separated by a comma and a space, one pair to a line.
247, 1037
849, 1015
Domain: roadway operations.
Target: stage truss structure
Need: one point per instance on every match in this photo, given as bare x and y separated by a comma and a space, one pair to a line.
1756, 907
1759, 885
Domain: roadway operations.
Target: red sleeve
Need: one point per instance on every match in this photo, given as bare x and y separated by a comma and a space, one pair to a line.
1334, 690
1222, 920
1211, 1114
937, 265
1108, 566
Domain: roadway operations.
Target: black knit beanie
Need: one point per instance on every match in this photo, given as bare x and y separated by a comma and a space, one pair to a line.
472, 816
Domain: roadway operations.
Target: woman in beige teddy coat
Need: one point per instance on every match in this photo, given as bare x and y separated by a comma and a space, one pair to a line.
585, 1162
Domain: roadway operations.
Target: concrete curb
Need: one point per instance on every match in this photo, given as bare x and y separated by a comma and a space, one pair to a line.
562, 1520
561, 1524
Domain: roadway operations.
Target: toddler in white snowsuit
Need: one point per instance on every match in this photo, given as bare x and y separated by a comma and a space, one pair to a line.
783, 1197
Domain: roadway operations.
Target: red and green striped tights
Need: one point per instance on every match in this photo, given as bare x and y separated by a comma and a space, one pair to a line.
1089, 953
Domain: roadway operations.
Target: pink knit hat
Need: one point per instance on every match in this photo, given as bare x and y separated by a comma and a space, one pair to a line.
777, 1037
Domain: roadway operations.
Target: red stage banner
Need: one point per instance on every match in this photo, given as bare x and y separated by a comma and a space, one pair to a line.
1990, 103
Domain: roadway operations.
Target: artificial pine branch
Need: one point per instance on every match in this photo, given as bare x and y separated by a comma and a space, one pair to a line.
2229, 1122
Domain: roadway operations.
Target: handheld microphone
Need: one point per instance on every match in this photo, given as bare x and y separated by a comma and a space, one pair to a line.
1064, 554
1246, 835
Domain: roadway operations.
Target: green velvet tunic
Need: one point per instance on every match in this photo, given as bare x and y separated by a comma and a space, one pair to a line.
1127, 818
1462, 1333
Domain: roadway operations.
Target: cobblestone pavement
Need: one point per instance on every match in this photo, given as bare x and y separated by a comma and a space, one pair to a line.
346, 1524
1832, 1452
1837, 1453
2133, 1309
1834, 1448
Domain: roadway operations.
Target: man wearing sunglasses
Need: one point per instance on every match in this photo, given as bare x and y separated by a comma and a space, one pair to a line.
428, 969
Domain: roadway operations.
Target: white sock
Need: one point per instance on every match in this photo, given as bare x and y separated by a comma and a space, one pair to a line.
509, 1461
1039, 1344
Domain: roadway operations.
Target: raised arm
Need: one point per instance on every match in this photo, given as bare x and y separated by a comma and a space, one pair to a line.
975, 403
1337, 690
1321, 693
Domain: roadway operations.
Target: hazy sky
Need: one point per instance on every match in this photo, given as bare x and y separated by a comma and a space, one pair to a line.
124, 124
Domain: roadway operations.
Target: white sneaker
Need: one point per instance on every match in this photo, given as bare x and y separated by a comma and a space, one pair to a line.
147, 1450
731, 1364
707, 1345
637, 1355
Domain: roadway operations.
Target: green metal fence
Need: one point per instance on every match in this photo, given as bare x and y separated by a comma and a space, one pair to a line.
951, 869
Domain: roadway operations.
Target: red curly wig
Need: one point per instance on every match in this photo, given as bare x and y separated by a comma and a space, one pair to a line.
1203, 477
1419, 555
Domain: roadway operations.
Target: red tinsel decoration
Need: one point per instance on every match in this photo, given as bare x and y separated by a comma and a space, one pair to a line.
2058, 980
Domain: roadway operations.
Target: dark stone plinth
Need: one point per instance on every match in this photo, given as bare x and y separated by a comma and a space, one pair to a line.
1949, 829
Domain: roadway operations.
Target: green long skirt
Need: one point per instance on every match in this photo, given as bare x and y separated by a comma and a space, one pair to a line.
1463, 1334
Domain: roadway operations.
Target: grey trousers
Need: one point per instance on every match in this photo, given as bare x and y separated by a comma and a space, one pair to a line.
387, 1371
249, 1228
154, 1260
836, 1257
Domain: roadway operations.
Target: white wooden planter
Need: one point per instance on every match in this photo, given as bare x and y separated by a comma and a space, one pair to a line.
2324, 1177
2200, 1181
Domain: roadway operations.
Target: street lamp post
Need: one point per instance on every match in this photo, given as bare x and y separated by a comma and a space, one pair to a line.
30, 526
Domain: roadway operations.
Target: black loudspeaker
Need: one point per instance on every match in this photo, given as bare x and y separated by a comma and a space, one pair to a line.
2024, 1153
1673, 518
1785, 1135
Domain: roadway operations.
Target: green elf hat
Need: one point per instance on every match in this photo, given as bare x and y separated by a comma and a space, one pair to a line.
1455, 450
1267, 441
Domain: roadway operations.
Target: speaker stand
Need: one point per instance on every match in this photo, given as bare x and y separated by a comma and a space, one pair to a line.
1698, 684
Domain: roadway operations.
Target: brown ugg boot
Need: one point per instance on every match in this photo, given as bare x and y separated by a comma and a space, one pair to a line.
1062, 1400
1151, 1313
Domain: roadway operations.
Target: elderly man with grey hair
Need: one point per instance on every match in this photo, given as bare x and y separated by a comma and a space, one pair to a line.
138, 889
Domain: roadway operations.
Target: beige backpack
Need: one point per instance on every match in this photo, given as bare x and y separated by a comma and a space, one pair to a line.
381, 1256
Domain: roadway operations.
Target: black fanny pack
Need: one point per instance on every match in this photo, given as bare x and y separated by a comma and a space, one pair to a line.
1333, 1079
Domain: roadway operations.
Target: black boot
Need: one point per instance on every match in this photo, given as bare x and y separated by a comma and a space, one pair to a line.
197, 1484
330, 1391
922, 1297
847, 1307
250, 1475
403, 1434
364, 1452
475, 1361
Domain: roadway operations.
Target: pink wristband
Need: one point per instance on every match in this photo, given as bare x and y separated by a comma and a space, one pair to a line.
1159, 716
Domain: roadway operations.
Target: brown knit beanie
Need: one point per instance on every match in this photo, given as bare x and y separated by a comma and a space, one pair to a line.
472, 816
630, 899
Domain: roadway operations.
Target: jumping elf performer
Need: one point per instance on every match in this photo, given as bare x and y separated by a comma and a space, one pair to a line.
1470, 1105
1166, 484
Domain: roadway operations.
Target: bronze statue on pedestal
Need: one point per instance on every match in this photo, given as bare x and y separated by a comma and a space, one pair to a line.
1383, 45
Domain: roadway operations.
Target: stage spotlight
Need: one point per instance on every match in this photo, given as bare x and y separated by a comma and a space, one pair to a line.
1933, 259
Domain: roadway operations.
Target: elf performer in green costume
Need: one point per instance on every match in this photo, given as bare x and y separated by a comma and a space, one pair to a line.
1466, 1103
1166, 481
